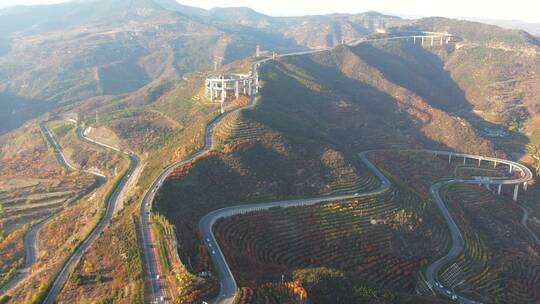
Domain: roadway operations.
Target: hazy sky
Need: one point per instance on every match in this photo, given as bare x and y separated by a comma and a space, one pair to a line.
525, 10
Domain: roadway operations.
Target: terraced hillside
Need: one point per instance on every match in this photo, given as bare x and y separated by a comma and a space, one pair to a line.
162, 123
239, 176
33, 186
501, 260
115, 275
384, 242
75, 211
314, 114
236, 173
378, 244
300, 138
497, 246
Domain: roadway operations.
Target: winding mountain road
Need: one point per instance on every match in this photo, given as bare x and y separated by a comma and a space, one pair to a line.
228, 283
458, 243
30, 238
30, 248
60, 280
150, 251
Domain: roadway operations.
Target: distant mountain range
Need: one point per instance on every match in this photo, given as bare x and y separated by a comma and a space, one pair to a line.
68, 52
58, 55
532, 28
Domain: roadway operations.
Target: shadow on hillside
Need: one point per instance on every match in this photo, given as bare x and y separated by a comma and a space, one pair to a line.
423, 73
418, 70
289, 105
250, 37
302, 97
298, 172
16, 110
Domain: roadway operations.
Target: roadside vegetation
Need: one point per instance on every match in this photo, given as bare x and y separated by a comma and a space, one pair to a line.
60, 235
379, 246
33, 186
501, 260
160, 130
187, 287
300, 139
114, 275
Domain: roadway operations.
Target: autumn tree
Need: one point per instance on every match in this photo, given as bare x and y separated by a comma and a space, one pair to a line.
88, 267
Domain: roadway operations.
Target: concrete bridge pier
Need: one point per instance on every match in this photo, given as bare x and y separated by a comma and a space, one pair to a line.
510, 168
442, 40
479, 162
495, 164
525, 185
423, 38
449, 158
464, 160
223, 91
516, 191
257, 83
499, 190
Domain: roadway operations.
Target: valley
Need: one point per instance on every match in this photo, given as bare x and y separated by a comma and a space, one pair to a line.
382, 160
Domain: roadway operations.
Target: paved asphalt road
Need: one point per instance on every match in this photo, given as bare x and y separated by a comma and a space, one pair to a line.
30, 238
57, 150
150, 251
228, 283
30, 243
29, 260
109, 211
432, 272
458, 243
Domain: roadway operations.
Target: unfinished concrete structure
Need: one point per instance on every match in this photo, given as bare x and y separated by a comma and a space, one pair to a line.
219, 86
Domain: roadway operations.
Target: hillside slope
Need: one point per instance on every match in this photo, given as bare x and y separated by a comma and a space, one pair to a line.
354, 102
498, 73
314, 113
52, 55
